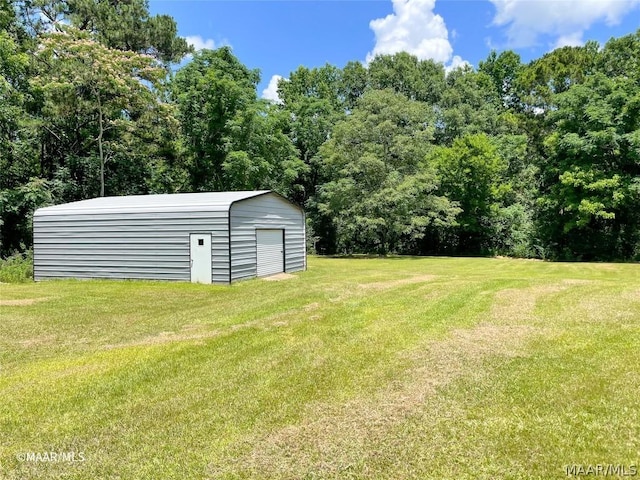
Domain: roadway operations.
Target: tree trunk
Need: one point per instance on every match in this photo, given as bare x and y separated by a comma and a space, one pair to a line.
100, 150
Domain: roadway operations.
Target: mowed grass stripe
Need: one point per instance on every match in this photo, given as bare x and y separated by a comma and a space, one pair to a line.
364, 368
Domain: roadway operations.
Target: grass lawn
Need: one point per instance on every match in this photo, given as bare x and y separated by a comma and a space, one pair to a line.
443, 368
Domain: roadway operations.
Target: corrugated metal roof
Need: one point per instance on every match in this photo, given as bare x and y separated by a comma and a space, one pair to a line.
205, 201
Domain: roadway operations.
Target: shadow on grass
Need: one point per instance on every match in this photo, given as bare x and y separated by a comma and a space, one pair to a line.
361, 256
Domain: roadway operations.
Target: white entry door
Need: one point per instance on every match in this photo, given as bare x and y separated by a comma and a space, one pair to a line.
270, 252
201, 257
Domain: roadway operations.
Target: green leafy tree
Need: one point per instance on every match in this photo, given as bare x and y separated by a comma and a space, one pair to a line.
512, 228
353, 83
469, 105
127, 25
421, 80
314, 99
18, 148
621, 57
472, 174
555, 72
382, 197
212, 92
94, 99
119, 24
16, 214
80, 93
232, 139
504, 70
591, 180
262, 155
14, 64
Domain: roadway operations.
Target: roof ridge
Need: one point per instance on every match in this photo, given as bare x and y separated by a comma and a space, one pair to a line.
154, 202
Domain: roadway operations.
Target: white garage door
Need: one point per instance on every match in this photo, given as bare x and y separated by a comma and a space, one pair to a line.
270, 252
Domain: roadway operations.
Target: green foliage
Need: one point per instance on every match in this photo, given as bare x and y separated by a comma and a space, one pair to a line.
469, 105
381, 196
212, 93
121, 25
504, 70
127, 26
17, 268
15, 165
621, 57
555, 73
100, 95
513, 229
312, 99
472, 175
354, 82
591, 191
393, 156
263, 156
421, 80
16, 213
232, 140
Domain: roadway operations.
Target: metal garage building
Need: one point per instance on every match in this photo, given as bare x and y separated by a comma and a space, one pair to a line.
212, 237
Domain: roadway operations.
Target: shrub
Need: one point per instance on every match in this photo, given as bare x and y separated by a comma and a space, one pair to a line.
17, 268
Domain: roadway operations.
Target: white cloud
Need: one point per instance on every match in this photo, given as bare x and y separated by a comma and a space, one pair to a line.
526, 20
456, 62
200, 43
570, 40
271, 92
412, 28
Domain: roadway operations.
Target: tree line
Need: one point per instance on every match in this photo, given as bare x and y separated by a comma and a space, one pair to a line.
538, 159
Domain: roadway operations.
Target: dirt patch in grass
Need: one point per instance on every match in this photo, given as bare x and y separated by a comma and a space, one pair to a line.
488, 339
396, 283
633, 294
21, 302
360, 289
279, 276
199, 333
576, 281
332, 438
500, 257
518, 304
164, 338
38, 341
280, 319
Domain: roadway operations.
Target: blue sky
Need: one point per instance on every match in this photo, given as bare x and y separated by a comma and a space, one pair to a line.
277, 36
